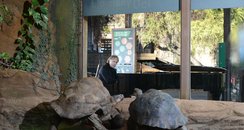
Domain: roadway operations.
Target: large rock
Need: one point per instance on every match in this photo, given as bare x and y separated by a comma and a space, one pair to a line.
21, 91
213, 115
204, 114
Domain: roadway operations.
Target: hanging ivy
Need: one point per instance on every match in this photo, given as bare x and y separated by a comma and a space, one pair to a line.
6, 16
34, 15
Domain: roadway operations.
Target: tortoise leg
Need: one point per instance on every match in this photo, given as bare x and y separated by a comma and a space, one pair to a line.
131, 125
97, 122
117, 122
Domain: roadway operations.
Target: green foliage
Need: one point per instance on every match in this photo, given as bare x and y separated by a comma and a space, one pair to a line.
237, 17
6, 16
73, 66
206, 28
164, 28
4, 60
35, 15
100, 25
160, 28
4, 56
207, 32
43, 56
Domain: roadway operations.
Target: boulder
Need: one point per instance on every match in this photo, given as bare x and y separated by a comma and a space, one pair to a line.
213, 115
21, 91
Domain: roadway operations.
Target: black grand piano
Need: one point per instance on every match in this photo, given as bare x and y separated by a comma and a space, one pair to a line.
206, 78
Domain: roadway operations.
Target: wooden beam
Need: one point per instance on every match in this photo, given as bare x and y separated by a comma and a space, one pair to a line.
82, 49
185, 75
227, 27
128, 20
85, 46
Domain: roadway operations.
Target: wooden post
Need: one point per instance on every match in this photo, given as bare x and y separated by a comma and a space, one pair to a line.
185, 75
227, 27
85, 46
128, 20
82, 49
241, 74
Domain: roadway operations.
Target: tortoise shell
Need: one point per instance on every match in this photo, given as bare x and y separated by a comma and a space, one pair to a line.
155, 108
82, 98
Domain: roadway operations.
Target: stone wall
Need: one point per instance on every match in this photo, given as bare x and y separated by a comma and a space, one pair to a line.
21, 91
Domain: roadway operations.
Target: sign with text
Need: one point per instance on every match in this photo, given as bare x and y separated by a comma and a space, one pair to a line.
123, 45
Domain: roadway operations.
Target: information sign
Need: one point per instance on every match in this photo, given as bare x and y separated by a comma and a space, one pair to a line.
123, 45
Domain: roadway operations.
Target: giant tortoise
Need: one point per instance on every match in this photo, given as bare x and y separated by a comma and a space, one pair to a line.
155, 110
84, 98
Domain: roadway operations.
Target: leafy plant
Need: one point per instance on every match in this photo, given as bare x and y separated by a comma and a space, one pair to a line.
4, 60
6, 16
34, 15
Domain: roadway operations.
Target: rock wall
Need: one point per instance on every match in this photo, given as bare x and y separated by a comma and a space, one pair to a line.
44, 60
21, 91
9, 29
65, 15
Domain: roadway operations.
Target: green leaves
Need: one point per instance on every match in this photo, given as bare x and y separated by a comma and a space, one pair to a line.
4, 60
4, 56
35, 3
39, 15
44, 10
6, 15
207, 31
1, 19
159, 27
35, 13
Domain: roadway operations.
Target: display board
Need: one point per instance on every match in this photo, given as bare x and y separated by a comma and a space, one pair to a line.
123, 45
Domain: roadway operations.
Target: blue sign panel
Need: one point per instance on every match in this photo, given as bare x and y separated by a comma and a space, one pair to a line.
107, 7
